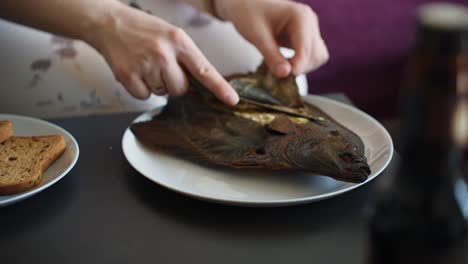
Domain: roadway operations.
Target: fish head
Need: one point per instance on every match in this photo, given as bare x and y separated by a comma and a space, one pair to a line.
331, 152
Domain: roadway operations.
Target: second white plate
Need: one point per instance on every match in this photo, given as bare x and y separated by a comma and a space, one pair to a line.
255, 188
27, 126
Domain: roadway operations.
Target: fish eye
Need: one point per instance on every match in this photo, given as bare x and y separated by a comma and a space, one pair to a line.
334, 133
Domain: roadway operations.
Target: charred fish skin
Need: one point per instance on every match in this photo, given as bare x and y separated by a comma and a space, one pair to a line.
190, 129
193, 130
199, 128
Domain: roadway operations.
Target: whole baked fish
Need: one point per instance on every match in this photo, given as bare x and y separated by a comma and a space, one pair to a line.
288, 134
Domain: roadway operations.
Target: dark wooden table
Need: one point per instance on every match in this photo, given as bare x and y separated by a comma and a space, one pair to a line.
106, 212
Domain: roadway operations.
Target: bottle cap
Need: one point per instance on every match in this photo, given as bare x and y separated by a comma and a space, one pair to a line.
443, 27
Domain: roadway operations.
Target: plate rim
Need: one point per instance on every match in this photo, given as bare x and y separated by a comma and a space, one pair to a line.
128, 135
24, 195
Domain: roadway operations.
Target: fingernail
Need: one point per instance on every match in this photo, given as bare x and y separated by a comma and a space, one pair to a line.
232, 98
282, 69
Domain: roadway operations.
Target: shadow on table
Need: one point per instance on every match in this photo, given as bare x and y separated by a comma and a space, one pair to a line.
403, 253
244, 221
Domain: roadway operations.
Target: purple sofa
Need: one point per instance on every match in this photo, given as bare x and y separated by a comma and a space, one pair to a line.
369, 41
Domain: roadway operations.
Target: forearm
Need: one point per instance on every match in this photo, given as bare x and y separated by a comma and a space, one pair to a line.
71, 18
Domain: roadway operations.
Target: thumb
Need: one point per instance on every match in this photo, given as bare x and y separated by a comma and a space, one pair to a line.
267, 45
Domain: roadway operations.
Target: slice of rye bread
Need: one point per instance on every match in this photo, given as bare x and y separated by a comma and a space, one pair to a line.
6, 130
23, 160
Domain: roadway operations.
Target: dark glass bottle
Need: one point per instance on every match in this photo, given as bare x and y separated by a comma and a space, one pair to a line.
418, 210
461, 113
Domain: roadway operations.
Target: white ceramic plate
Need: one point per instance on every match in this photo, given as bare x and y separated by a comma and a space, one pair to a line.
254, 188
27, 126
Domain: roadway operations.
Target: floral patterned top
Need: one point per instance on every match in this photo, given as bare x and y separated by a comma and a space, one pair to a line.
44, 75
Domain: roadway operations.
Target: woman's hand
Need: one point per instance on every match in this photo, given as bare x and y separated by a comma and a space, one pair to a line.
147, 54
270, 23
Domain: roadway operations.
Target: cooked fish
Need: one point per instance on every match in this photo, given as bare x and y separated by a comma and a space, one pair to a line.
199, 128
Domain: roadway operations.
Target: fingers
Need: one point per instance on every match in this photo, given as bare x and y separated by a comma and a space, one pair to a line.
321, 55
197, 64
163, 73
157, 65
134, 84
154, 82
268, 46
302, 43
174, 79
311, 51
308, 56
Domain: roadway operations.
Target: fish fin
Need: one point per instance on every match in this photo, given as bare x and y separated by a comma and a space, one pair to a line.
276, 91
194, 142
315, 111
247, 88
160, 135
283, 89
205, 148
